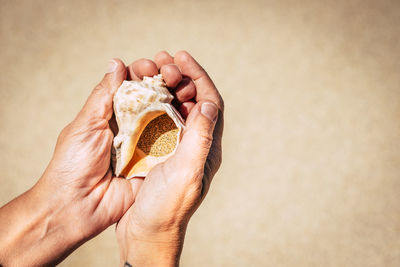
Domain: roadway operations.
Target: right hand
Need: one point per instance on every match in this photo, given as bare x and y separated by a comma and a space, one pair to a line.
152, 231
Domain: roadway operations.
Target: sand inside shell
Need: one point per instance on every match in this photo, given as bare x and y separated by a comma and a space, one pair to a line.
159, 138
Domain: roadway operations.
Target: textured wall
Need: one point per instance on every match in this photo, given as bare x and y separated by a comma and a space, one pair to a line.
311, 170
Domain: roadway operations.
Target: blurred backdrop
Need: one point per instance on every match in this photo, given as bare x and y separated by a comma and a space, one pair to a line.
311, 165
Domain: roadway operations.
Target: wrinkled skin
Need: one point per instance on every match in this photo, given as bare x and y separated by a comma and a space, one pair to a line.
173, 190
77, 196
80, 168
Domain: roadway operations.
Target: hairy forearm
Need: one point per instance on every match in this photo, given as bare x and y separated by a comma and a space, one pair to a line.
32, 231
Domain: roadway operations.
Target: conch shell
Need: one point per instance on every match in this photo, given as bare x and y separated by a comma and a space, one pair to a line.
150, 128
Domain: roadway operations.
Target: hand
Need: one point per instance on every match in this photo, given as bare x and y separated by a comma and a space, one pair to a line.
152, 231
77, 197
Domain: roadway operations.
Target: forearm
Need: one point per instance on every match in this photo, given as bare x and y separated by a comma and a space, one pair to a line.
33, 232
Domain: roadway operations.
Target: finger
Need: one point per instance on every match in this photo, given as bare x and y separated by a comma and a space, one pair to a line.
206, 89
185, 108
118, 194
142, 67
163, 58
171, 75
99, 103
197, 138
185, 90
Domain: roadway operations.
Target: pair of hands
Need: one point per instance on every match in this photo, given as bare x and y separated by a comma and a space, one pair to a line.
78, 197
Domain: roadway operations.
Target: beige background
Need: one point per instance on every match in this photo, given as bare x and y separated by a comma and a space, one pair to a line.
311, 169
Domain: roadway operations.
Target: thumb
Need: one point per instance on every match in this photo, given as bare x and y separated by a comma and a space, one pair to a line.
99, 103
198, 135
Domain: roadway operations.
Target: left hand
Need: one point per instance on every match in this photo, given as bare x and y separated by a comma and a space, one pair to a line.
77, 197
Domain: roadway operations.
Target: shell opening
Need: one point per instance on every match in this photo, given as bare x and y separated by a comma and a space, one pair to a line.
159, 138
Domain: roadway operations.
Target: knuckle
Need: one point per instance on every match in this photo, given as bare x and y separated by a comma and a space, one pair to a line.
96, 124
214, 160
206, 139
100, 88
199, 73
103, 85
65, 131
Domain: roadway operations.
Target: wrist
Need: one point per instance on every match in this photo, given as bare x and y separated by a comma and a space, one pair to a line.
152, 249
141, 253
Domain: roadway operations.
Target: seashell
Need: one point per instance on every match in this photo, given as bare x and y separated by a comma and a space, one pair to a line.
150, 128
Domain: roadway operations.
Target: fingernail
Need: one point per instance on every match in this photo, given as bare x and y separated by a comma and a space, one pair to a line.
209, 110
112, 66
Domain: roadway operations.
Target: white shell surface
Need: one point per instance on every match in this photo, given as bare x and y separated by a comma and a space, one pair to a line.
135, 105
